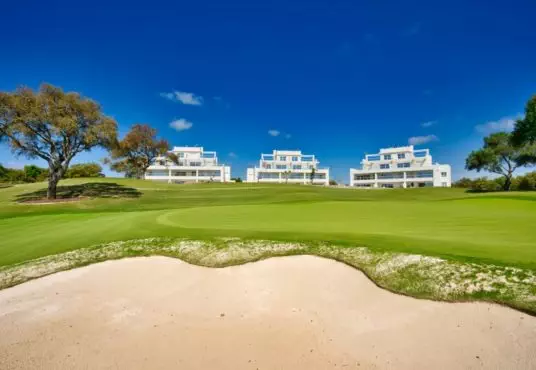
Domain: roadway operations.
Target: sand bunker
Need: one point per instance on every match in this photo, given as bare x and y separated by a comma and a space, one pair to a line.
297, 312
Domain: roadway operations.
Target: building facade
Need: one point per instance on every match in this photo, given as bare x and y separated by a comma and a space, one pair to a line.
288, 166
401, 167
194, 165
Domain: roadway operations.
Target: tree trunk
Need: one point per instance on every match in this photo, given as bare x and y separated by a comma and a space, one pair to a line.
53, 180
507, 183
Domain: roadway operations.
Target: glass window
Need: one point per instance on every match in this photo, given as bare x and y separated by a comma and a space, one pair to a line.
401, 155
181, 155
296, 176
268, 175
282, 158
296, 167
295, 159
393, 175
281, 167
384, 166
373, 157
419, 154
364, 177
420, 174
443, 174
403, 165
387, 156
307, 159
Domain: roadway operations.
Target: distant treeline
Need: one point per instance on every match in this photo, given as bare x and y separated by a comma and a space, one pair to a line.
32, 173
483, 184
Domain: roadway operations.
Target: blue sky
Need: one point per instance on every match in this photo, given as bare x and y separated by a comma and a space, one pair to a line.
335, 78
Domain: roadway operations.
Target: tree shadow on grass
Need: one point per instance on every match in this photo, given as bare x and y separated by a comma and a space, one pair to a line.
88, 190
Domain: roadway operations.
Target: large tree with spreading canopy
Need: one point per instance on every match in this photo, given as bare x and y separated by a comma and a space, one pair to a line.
53, 125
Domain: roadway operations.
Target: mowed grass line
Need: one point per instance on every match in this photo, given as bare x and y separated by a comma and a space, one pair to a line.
497, 228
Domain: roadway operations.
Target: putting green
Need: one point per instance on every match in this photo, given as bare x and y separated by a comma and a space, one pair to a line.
497, 228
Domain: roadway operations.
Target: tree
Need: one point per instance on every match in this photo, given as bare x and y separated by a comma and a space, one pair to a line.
464, 182
53, 125
312, 175
3, 172
498, 155
525, 182
32, 173
286, 175
137, 151
333, 182
84, 170
525, 129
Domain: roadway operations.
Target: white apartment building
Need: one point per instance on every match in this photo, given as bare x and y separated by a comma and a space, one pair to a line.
288, 166
194, 165
401, 167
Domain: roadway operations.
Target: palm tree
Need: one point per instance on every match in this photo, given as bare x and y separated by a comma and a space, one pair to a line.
312, 175
286, 175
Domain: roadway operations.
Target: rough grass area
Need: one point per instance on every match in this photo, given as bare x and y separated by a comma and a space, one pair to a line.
409, 274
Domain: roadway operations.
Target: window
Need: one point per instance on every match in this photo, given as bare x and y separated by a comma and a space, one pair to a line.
267, 166
419, 154
281, 167
387, 156
296, 176
296, 167
282, 158
391, 175
443, 174
268, 175
181, 155
420, 174
209, 173
401, 155
384, 166
403, 165
364, 177
307, 159
373, 157
295, 159
444, 184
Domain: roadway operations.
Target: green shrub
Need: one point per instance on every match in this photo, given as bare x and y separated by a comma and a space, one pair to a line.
483, 184
464, 182
526, 182
32, 173
84, 170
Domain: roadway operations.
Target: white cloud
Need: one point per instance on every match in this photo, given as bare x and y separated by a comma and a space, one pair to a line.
233, 155
419, 140
181, 124
503, 124
183, 97
273, 133
428, 123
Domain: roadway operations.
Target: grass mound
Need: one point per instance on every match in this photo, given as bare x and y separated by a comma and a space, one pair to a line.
409, 274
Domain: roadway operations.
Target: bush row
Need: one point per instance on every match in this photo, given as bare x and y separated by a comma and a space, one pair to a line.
32, 173
484, 184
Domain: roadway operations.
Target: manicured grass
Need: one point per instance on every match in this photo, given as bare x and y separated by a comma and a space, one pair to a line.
497, 228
